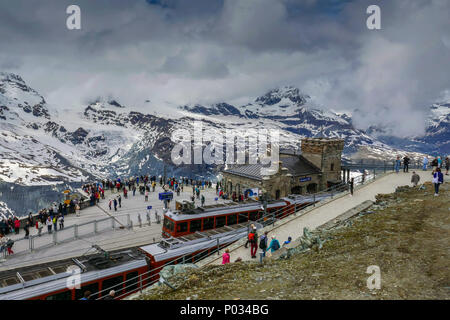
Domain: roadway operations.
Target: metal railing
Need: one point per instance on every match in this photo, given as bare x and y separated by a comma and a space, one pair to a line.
267, 219
78, 231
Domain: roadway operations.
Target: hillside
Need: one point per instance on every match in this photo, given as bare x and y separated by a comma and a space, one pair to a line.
404, 233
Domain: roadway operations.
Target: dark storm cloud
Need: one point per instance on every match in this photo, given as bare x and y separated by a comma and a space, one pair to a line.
212, 50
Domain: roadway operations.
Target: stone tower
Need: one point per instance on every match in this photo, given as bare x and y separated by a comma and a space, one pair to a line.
324, 153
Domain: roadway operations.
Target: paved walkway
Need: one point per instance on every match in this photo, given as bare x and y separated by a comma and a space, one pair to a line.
293, 226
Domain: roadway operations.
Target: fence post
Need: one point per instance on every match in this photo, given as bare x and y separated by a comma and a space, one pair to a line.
148, 219
314, 199
55, 240
95, 226
113, 223
30, 241
374, 173
140, 221
75, 231
128, 221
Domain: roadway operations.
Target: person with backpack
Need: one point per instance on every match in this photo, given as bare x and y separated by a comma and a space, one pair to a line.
262, 246
253, 239
438, 178
120, 201
274, 245
115, 204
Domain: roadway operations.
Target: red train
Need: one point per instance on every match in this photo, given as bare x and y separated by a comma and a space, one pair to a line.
188, 220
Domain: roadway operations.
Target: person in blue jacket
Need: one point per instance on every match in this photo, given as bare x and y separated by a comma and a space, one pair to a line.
397, 164
274, 245
438, 178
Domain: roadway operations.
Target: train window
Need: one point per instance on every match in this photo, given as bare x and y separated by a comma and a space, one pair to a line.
208, 223
221, 221
93, 288
243, 217
196, 225
254, 215
112, 284
65, 295
182, 227
132, 284
168, 224
232, 219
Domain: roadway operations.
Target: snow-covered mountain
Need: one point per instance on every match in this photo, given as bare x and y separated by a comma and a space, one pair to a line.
42, 145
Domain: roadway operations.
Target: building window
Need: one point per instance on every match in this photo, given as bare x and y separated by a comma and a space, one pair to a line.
332, 167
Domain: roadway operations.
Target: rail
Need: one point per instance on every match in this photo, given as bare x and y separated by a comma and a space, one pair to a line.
266, 219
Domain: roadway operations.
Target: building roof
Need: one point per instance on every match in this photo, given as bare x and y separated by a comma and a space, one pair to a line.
296, 165
251, 171
299, 166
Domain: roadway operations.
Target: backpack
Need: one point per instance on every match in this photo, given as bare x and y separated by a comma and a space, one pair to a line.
262, 243
251, 236
275, 245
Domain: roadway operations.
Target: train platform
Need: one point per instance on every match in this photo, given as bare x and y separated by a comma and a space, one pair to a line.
142, 232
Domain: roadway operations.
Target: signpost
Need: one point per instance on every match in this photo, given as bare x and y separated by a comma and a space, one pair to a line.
304, 179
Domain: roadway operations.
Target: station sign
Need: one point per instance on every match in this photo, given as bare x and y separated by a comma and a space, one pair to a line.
165, 196
149, 207
304, 179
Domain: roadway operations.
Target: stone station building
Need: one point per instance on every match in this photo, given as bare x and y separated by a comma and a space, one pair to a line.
316, 168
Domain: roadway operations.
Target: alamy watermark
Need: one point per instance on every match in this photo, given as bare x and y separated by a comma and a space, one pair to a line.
249, 146
374, 281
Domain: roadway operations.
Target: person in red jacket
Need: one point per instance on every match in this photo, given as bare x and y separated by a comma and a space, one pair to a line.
17, 225
226, 257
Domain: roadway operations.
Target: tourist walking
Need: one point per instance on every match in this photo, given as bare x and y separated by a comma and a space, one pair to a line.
397, 164
27, 229
16, 225
405, 164
262, 246
274, 245
61, 221
439, 161
226, 257
438, 178
425, 163
115, 204
49, 224
146, 195
415, 178
203, 200
120, 201
39, 227
434, 163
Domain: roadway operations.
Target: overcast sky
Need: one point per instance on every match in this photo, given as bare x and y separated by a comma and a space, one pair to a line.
207, 51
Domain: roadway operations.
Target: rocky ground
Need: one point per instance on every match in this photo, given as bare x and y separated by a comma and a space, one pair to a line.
405, 233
